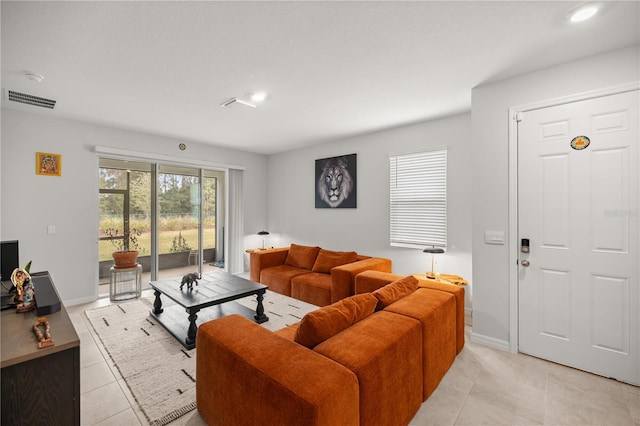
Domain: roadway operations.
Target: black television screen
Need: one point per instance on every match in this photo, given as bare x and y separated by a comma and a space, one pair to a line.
9, 259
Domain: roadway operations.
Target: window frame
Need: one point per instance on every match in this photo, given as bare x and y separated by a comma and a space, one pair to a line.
418, 198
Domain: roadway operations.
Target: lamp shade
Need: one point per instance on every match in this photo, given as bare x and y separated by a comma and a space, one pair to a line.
436, 250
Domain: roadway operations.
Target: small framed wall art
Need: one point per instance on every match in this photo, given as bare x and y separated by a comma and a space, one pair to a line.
48, 164
335, 183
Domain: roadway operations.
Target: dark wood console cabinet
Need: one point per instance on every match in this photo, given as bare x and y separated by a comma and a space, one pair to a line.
39, 386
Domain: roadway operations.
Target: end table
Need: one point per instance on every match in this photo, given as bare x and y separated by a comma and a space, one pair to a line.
444, 278
125, 283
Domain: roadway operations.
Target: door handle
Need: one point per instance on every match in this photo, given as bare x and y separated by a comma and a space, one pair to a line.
524, 262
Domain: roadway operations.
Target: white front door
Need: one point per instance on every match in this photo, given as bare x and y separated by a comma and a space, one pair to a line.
578, 291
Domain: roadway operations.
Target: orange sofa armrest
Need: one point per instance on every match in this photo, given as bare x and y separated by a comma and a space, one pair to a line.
246, 374
343, 277
370, 281
261, 259
458, 292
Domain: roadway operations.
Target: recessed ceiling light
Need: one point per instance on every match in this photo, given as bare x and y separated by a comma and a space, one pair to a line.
258, 96
583, 13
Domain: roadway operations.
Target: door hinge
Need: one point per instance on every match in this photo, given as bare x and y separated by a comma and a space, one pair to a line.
518, 116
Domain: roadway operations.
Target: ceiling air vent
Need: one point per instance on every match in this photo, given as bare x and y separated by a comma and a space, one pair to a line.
31, 100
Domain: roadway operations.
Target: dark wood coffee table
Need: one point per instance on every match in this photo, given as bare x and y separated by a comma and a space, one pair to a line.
216, 290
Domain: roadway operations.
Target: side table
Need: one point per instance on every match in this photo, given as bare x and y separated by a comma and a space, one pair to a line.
443, 278
125, 283
256, 250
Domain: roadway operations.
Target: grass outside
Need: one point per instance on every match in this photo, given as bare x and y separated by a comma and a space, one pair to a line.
165, 242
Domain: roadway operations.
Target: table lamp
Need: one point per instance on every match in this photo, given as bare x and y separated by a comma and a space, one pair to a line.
263, 233
433, 250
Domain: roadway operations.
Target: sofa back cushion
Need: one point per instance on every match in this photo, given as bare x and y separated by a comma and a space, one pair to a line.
395, 291
317, 326
328, 259
302, 256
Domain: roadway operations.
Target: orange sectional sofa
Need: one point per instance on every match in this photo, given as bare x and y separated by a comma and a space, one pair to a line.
369, 281
369, 359
312, 274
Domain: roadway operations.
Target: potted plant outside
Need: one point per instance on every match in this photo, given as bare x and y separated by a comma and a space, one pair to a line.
127, 247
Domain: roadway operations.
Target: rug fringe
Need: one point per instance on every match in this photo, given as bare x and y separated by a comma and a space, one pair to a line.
174, 415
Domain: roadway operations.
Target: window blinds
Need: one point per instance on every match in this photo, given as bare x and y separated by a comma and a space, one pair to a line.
419, 199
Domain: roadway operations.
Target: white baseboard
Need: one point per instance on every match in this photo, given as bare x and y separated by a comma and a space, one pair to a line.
490, 341
80, 301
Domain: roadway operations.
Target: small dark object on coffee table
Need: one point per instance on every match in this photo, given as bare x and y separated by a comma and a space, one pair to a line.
189, 279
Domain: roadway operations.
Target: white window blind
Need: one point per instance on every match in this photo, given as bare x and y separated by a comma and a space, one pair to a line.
419, 199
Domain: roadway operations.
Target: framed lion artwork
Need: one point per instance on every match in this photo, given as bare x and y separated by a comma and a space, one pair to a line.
335, 183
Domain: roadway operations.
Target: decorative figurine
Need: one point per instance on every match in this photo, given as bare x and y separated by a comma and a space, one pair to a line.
44, 340
25, 292
189, 279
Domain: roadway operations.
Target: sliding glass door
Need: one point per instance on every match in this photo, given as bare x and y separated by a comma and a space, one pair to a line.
124, 212
179, 218
213, 217
171, 214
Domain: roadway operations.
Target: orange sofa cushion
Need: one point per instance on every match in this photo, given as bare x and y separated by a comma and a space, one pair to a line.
314, 288
369, 281
458, 293
317, 326
278, 278
288, 332
302, 256
384, 352
246, 374
328, 259
395, 291
436, 310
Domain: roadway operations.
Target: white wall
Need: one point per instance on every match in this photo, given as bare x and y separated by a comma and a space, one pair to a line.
490, 152
30, 202
291, 206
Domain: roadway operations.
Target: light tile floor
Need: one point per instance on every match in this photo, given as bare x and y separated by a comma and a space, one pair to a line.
485, 386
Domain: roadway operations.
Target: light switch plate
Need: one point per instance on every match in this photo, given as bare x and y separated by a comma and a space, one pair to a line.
51, 229
493, 237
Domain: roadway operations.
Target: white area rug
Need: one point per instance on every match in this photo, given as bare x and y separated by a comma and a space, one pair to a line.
159, 371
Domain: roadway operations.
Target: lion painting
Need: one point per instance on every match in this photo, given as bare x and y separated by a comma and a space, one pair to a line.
335, 182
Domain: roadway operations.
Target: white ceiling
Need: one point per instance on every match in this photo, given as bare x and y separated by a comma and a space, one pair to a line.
332, 69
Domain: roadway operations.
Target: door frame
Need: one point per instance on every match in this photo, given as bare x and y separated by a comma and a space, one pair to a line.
513, 115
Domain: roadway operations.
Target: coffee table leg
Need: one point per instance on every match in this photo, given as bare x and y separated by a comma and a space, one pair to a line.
260, 316
157, 303
193, 328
